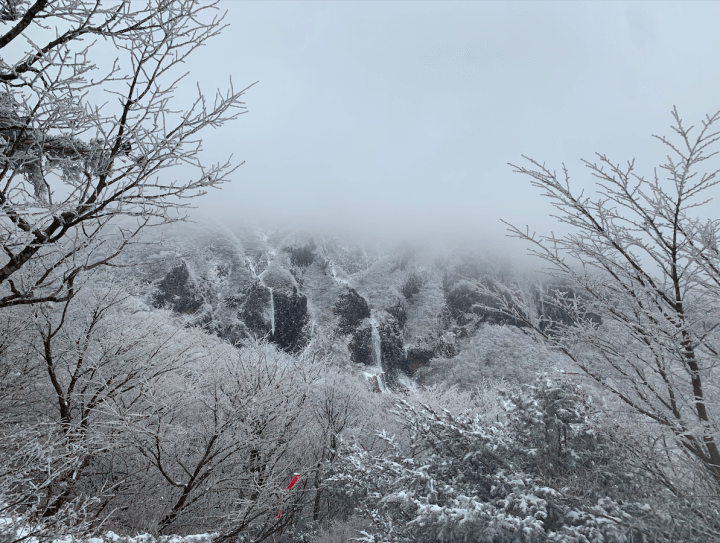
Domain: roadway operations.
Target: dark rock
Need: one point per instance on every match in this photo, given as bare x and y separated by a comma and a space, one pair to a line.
461, 299
392, 350
418, 357
301, 256
177, 292
291, 318
351, 308
233, 302
255, 310
361, 347
469, 307
298, 277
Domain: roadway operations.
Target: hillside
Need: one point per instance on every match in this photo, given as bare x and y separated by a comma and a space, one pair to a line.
402, 312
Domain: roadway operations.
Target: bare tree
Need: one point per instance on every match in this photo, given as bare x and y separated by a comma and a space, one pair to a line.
222, 443
72, 165
334, 409
638, 257
73, 365
32, 463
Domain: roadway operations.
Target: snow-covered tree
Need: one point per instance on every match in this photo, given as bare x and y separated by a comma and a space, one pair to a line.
123, 414
72, 164
224, 441
640, 257
71, 365
464, 478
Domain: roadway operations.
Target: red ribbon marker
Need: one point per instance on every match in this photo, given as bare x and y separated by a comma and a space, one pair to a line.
292, 484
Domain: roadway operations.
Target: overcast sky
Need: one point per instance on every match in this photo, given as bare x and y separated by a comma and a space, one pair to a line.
402, 116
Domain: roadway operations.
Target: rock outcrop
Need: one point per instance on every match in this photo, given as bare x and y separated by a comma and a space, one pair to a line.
392, 348
418, 357
255, 312
177, 292
361, 346
351, 309
468, 307
291, 319
399, 309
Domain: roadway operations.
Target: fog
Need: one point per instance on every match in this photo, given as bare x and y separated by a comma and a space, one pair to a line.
398, 119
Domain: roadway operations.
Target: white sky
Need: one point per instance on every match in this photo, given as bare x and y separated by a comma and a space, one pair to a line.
401, 117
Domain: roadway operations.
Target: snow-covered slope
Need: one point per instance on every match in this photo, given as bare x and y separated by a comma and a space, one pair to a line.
393, 310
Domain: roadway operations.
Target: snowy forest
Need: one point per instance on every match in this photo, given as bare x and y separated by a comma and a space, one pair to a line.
164, 380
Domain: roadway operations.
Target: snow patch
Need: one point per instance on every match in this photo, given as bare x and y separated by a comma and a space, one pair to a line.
377, 355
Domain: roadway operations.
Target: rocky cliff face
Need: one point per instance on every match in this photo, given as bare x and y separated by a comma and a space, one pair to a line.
395, 311
291, 320
351, 309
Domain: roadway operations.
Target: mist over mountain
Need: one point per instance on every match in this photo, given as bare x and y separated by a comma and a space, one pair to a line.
402, 300
393, 308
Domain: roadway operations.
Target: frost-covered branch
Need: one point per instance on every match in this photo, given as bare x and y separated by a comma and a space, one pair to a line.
71, 167
638, 259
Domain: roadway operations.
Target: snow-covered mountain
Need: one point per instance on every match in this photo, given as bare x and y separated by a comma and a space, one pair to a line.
392, 310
